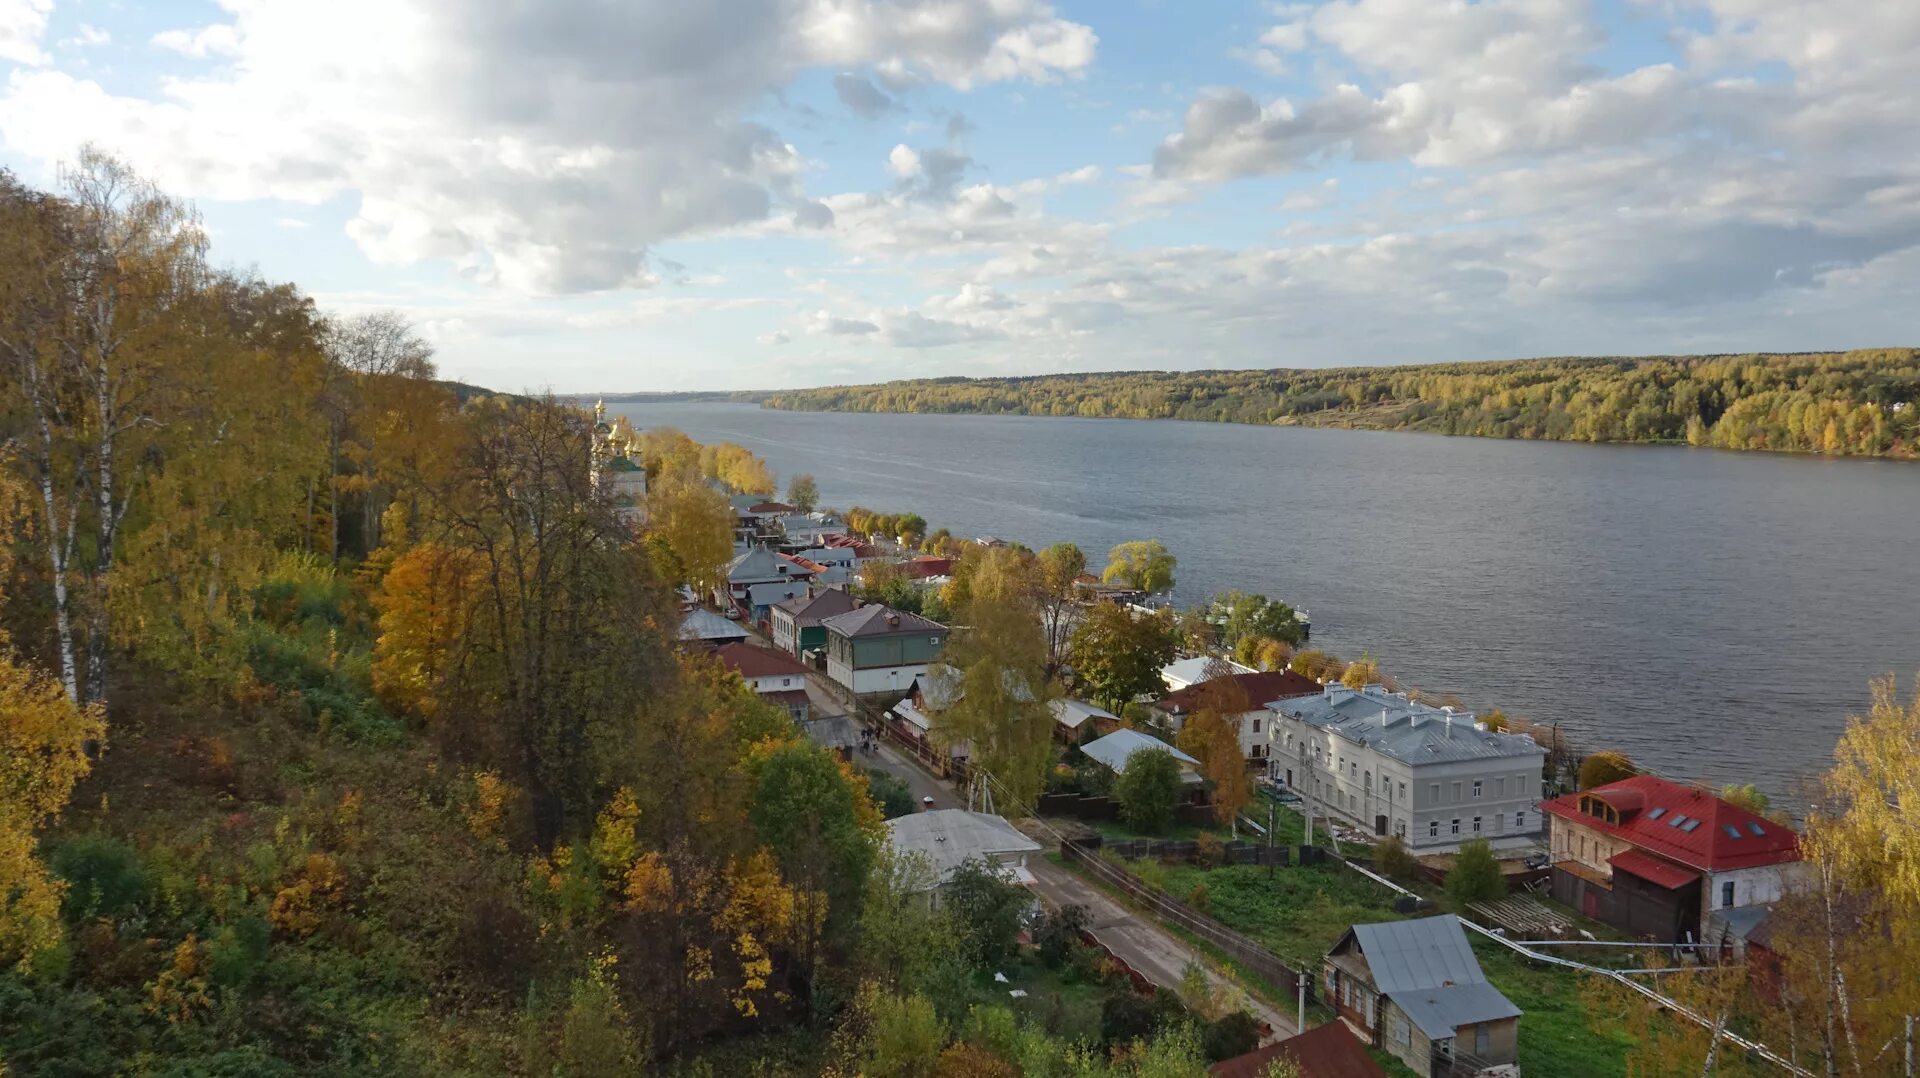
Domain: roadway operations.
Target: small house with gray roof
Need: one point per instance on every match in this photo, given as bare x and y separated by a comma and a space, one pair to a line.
1415, 989
1391, 765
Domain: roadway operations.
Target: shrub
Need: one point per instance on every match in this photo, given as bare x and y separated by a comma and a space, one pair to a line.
1233, 1035
1126, 1016
1199, 899
906, 1037
890, 793
1475, 876
1209, 851
236, 954
1393, 858
105, 876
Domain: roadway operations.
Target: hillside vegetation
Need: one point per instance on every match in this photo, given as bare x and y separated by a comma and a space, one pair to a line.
1850, 403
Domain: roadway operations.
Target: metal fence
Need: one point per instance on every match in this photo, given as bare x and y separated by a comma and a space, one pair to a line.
1249, 954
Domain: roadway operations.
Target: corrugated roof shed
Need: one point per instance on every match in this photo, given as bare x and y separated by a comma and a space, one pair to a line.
1115, 749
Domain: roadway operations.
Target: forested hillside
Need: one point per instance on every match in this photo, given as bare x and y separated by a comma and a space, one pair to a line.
1853, 403
343, 729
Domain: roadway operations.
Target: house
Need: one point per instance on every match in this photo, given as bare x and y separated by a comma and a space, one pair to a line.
948, 838
761, 577
1656, 859
1392, 765
1115, 749
877, 649
796, 621
915, 718
809, 529
1188, 672
1073, 718
1246, 693
1415, 989
779, 678
702, 626
1326, 1051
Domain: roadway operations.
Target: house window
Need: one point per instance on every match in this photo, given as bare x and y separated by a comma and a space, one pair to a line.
1433, 828
1400, 829
1476, 825
1256, 726
1726, 894
1433, 794
1482, 1040
1476, 787
1520, 820
1456, 793
1456, 826
1500, 787
1403, 792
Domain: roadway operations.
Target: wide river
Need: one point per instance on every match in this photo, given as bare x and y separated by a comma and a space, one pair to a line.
1714, 615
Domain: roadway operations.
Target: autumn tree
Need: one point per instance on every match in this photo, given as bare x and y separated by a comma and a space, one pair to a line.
95, 295
1361, 673
803, 493
1211, 735
1605, 766
426, 602
43, 739
1262, 653
695, 522
1142, 565
1001, 655
1061, 566
1117, 653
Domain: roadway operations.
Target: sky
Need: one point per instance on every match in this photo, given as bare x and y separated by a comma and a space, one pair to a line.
583, 195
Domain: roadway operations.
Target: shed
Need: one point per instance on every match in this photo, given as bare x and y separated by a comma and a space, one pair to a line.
1115, 749
1417, 989
948, 838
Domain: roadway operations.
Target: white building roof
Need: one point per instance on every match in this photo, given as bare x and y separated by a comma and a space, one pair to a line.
1402, 729
701, 624
1115, 749
1072, 713
1193, 671
949, 837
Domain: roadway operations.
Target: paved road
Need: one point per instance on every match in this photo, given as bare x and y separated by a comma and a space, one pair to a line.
1159, 956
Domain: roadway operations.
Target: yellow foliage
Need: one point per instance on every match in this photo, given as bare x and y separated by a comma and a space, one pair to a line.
486, 811
300, 907
759, 912
614, 843
649, 884
43, 739
423, 602
180, 993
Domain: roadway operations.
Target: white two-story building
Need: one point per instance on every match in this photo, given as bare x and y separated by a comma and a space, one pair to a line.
1390, 765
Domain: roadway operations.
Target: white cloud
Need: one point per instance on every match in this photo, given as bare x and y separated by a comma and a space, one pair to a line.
88, 36
22, 24
545, 147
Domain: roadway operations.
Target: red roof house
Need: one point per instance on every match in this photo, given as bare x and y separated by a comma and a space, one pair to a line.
1251, 692
1328, 1051
1655, 857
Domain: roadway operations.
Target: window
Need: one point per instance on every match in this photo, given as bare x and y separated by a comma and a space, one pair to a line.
1403, 791
1400, 828
1482, 1040
1366, 780
1256, 726
1456, 826
1726, 894
1520, 820
1433, 828
1499, 787
1476, 787
1433, 794
1456, 793
1476, 825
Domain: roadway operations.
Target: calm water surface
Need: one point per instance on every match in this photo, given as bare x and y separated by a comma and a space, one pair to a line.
1715, 615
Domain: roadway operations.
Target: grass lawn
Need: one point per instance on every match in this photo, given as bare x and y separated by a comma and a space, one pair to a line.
1555, 1036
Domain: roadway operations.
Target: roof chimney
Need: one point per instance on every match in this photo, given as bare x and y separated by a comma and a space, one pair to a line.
893, 619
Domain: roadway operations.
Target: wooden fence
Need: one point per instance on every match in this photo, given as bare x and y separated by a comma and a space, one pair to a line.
1232, 853
1249, 954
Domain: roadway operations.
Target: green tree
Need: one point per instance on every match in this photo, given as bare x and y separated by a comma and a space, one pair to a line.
1061, 566
1243, 616
988, 910
819, 827
1475, 875
1605, 766
803, 493
596, 1040
1748, 796
1117, 653
1141, 564
890, 793
1148, 790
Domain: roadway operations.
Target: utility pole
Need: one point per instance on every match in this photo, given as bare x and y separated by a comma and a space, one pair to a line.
1300, 1025
1910, 1046
1273, 807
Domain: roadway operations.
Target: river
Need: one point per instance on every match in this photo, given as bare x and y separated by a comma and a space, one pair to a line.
1714, 615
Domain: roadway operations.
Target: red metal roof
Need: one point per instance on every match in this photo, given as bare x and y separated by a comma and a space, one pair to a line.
925, 566
1261, 689
1680, 823
748, 660
1653, 869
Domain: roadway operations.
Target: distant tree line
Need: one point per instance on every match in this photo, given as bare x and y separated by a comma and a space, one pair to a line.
1860, 403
